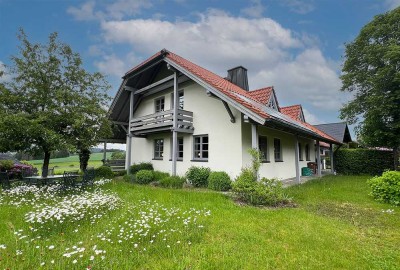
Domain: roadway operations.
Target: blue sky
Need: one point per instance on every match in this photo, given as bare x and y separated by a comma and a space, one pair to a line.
295, 45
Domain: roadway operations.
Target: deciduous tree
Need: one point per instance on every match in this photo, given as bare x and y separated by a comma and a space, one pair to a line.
52, 102
372, 73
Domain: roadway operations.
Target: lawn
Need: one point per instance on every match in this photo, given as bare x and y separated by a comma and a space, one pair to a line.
70, 163
336, 225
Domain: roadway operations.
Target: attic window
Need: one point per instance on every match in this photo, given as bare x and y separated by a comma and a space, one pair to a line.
272, 103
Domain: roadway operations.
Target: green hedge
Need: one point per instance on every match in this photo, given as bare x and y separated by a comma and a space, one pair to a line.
363, 161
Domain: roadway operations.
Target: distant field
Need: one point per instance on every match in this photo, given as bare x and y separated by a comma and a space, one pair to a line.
69, 163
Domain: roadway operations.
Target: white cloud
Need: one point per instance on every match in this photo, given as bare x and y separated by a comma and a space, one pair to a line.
85, 12
308, 78
255, 9
391, 4
299, 6
112, 65
217, 40
115, 10
311, 118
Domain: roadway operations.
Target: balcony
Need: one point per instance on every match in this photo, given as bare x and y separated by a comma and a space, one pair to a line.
161, 122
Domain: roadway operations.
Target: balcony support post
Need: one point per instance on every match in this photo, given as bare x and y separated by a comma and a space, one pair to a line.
175, 125
129, 136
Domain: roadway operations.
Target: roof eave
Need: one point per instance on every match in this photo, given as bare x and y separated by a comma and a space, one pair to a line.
257, 118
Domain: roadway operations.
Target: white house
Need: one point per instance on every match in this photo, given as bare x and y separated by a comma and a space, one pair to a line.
212, 121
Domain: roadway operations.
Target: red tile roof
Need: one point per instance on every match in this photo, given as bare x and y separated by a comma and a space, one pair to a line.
262, 95
253, 100
221, 84
292, 111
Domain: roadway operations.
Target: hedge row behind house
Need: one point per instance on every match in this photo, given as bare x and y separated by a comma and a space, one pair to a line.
363, 161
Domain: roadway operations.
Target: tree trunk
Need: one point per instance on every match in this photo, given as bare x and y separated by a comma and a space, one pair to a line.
84, 155
46, 162
396, 152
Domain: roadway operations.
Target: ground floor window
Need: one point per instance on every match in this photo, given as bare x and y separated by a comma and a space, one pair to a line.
180, 148
308, 152
158, 148
277, 150
200, 147
263, 147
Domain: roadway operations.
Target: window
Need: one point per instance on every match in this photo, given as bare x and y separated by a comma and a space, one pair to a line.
200, 147
180, 148
263, 146
181, 97
307, 152
159, 104
277, 150
158, 149
300, 152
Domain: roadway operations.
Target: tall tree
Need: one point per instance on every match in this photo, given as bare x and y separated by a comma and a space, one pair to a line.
371, 71
49, 93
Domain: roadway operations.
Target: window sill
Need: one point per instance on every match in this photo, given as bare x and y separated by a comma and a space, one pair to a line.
199, 160
157, 159
179, 159
265, 161
308, 159
301, 159
278, 160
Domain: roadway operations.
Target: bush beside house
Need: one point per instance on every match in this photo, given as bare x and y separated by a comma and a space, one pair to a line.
219, 181
386, 188
198, 176
363, 161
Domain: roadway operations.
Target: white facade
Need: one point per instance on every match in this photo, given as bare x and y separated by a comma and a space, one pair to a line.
228, 142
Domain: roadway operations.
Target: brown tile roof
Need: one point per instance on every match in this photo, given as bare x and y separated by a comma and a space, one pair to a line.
292, 111
262, 95
224, 86
252, 100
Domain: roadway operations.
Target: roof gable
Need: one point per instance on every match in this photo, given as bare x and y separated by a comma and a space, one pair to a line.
250, 104
295, 112
339, 131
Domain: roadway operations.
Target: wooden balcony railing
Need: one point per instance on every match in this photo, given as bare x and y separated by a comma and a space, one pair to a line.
163, 121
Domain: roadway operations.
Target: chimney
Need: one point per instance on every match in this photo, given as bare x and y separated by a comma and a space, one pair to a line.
238, 76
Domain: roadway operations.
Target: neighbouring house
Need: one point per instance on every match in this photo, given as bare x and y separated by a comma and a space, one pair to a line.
176, 114
339, 131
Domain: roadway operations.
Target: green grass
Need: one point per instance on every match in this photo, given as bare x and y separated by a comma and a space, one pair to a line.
70, 163
336, 225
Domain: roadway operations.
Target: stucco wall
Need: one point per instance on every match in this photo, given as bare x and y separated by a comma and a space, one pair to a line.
209, 117
273, 169
228, 142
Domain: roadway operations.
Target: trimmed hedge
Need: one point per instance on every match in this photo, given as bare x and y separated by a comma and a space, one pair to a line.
219, 181
363, 161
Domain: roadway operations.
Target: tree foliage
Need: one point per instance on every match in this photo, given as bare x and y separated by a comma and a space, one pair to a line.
52, 102
372, 73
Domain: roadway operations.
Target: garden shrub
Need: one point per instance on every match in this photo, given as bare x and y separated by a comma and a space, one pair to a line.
264, 192
6, 165
120, 173
363, 161
198, 176
172, 182
158, 175
141, 166
104, 171
219, 181
130, 178
386, 188
144, 177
